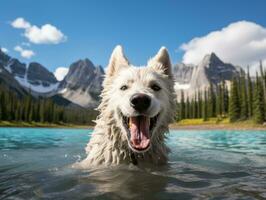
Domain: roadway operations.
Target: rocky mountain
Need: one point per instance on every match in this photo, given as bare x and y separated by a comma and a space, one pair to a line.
4, 58
16, 68
211, 70
82, 84
38, 74
182, 73
7, 79
34, 78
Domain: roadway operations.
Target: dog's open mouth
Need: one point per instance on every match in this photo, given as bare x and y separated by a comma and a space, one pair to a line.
139, 129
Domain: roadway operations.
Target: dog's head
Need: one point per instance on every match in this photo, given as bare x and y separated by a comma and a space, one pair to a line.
140, 97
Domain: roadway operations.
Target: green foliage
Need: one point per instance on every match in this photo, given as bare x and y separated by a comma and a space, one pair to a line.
234, 101
243, 98
249, 95
259, 109
205, 107
246, 101
212, 102
29, 109
182, 106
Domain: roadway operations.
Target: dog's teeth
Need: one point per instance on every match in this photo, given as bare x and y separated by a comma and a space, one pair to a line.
129, 123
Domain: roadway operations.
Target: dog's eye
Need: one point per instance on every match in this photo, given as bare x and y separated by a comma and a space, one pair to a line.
155, 87
124, 87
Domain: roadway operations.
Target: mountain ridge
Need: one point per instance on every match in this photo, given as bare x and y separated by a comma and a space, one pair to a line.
83, 83
211, 70
81, 86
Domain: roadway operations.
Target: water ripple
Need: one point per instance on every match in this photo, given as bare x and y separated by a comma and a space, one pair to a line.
203, 165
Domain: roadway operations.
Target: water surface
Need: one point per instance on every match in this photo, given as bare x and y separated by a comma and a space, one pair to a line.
34, 164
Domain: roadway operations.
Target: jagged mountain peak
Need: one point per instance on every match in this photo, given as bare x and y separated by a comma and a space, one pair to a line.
82, 63
15, 67
99, 69
7, 79
212, 56
79, 71
211, 70
82, 84
37, 74
4, 58
34, 77
211, 60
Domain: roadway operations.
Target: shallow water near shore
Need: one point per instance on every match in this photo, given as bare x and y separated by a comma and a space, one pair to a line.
34, 164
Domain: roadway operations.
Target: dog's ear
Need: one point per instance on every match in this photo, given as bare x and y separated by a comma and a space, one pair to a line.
161, 61
117, 61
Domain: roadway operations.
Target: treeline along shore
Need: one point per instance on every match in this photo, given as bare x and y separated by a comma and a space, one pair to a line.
39, 111
243, 100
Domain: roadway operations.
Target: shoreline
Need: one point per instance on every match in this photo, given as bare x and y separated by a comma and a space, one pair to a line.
8, 124
217, 124
174, 126
233, 127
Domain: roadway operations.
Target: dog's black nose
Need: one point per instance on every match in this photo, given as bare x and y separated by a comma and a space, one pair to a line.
140, 102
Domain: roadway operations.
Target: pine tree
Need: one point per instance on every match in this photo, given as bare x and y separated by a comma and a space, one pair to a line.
194, 107
42, 112
187, 115
234, 104
205, 106
212, 102
222, 99
262, 74
182, 106
30, 117
199, 107
263, 81
225, 99
0, 108
259, 109
249, 95
244, 98
17, 113
3, 105
219, 100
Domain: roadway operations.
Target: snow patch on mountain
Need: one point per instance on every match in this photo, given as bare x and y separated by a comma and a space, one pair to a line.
62, 91
7, 67
180, 86
37, 88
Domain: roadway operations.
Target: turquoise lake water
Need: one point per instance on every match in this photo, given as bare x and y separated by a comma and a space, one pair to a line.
34, 164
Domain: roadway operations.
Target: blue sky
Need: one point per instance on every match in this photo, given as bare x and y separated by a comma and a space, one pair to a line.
93, 28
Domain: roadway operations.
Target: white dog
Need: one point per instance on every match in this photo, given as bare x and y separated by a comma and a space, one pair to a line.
137, 105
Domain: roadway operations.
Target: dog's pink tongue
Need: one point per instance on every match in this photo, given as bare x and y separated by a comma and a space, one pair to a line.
139, 132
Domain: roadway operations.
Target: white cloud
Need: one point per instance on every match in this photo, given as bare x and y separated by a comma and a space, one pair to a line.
5, 50
20, 23
25, 53
242, 43
46, 34
60, 73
